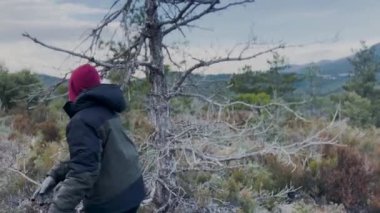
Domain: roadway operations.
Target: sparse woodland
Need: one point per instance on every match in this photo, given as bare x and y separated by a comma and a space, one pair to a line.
253, 143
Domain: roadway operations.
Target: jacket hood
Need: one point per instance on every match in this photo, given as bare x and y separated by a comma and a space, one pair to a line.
108, 95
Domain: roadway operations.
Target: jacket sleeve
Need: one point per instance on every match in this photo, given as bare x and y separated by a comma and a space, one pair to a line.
83, 168
59, 171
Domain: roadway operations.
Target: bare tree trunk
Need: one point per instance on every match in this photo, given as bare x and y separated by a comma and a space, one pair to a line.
159, 103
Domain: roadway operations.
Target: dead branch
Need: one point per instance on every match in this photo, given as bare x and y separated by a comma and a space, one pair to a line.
96, 33
90, 59
105, 64
250, 106
24, 176
202, 63
180, 14
170, 57
184, 18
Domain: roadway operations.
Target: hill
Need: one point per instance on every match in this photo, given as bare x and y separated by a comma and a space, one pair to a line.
333, 73
48, 80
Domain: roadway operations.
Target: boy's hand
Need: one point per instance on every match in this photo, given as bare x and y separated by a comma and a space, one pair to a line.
40, 194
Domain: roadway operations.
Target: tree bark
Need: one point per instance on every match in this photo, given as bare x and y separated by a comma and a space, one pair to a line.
159, 103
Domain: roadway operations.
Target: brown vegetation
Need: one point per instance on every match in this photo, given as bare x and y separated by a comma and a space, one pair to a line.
345, 178
50, 131
23, 124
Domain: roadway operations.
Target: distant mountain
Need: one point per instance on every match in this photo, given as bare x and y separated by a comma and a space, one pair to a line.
334, 67
48, 80
333, 73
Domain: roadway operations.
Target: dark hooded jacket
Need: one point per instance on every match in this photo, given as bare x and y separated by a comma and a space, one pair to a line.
103, 169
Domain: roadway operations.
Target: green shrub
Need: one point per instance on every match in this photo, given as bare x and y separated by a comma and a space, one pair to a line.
260, 98
137, 122
357, 108
247, 201
15, 87
42, 157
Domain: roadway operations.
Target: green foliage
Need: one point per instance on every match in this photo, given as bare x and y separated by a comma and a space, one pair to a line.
42, 157
246, 201
361, 103
16, 86
375, 107
357, 108
312, 78
181, 105
271, 82
312, 74
137, 93
255, 99
283, 174
239, 187
137, 90
363, 78
302, 207
62, 89
137, 121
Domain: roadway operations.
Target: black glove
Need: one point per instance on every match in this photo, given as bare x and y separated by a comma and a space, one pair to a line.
40, 195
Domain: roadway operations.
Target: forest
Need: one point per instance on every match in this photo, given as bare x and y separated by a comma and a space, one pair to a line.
283, 139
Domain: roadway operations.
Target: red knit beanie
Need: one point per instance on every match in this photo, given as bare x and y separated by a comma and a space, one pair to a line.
84, 77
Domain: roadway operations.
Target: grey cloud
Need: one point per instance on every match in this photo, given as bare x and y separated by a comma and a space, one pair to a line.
48, 31
45, 18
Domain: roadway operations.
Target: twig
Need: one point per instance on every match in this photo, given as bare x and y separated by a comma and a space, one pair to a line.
202, 63
91, 59
184, 19
24, 176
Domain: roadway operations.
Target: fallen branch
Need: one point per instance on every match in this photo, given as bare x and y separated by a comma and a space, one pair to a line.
24, 176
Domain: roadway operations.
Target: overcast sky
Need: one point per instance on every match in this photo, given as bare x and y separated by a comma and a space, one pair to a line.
330, 28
